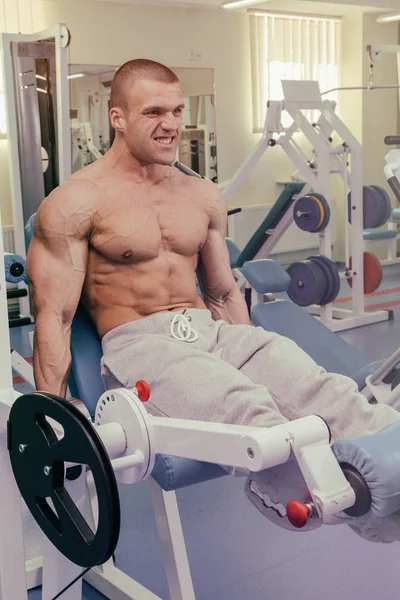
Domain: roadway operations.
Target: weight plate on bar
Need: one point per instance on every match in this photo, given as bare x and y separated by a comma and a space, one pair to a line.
332, 276
307, 283
38, 460
372, 273
385, 204
311, 213
326, 212
371, 206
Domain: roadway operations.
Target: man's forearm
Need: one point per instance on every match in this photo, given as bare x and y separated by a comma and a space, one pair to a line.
232, 308
51, 355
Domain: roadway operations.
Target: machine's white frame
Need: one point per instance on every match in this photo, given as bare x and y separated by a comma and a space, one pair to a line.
61, 36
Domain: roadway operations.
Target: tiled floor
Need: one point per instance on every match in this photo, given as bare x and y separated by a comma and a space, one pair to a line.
234, 552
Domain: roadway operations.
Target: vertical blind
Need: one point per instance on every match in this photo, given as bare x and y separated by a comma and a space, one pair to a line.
291, 47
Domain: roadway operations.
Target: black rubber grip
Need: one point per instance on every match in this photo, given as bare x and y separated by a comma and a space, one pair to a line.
19, 321
16, 294
392, 140
233, 211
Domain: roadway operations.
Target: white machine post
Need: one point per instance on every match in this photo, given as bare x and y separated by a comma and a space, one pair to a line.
12, 556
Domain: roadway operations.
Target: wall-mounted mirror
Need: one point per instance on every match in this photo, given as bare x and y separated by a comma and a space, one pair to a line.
92, 135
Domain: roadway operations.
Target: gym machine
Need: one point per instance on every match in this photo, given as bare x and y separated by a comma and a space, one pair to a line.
66, 464
314, 198
35, 71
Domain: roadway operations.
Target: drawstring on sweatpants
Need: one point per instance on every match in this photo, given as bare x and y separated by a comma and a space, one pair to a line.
181, 328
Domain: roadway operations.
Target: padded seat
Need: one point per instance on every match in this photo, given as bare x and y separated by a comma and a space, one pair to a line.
378, 234
234, 252
85, 382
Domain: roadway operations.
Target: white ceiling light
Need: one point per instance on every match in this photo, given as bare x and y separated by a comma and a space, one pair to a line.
389, 18
240, 4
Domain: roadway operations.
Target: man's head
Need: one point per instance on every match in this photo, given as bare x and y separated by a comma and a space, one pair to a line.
146, 110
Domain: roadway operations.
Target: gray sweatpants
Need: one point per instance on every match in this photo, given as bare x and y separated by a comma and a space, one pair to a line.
243, 375
234, 374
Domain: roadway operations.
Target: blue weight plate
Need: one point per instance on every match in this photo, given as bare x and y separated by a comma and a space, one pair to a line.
307, 214
307, 283
380, 206
385, 205
327, 212
328, 277
336, 279
371, 205
333, 279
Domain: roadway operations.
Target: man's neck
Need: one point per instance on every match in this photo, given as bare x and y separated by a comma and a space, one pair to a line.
122, 160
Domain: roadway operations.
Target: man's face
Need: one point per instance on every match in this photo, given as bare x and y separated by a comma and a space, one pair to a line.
153, 121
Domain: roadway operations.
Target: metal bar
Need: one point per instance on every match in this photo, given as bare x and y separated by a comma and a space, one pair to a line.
362, 87
385, 369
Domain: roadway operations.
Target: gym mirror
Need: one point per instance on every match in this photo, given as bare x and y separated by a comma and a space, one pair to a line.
92, 135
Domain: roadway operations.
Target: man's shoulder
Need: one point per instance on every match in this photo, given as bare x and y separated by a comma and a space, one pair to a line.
70, 207
79, 191
205, 189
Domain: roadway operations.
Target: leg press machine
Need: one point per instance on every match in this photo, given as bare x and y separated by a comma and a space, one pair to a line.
65, 462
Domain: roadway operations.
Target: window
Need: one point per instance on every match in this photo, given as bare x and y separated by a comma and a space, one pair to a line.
291, 47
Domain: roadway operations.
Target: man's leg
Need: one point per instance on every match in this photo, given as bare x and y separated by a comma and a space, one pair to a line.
298, 385
300, 388
186, 380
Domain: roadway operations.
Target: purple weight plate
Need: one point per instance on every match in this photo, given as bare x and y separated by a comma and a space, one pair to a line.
307, 222
332, 276
385, 204
307, 283
371, 207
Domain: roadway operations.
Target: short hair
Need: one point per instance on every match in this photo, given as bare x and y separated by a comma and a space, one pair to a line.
134, 70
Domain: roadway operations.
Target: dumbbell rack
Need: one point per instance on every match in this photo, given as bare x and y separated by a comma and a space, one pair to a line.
344, 159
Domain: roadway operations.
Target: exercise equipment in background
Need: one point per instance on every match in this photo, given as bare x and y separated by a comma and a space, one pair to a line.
312, 213
36, 90
314, 180
373, 273
15, 273
377, 206
389, 234
313, 281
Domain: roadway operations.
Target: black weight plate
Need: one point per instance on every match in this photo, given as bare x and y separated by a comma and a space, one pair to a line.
333, 278
306, 283
66, 528
307, 214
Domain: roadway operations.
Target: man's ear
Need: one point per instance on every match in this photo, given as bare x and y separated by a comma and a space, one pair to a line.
117, 119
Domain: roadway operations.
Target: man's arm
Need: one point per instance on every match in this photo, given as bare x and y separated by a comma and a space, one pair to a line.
56, 267
221, 294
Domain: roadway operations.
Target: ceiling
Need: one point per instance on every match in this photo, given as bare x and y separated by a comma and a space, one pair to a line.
328, 7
